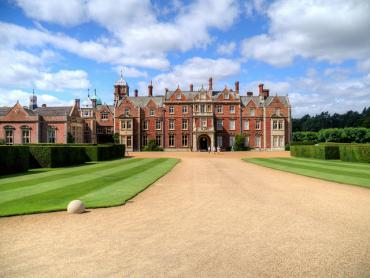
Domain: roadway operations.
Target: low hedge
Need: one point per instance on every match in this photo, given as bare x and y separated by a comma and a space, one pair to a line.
49, 156
104, 152
355, 153
13, 159
315, 151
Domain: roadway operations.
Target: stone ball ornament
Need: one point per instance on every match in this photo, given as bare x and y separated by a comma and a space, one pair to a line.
76, 207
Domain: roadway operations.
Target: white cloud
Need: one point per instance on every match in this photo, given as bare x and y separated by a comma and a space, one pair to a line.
226, 49
10, 97
130, 72
324, 30
196, 71
66, 13
63, 80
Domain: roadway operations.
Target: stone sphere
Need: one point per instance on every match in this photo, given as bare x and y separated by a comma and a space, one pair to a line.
76, 206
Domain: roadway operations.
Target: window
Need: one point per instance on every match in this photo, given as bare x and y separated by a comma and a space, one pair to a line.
129, 124
257, 141
127, 111
86, 113
171, 140
226, 96
25, 136
219, 125
202, 108
184, 124
151, 112
246, 141
184, 109
219, 141
129, 142
178, 96
246, 124
158, 140
251, 111
281, 125
219, 108
9, 136
232, 141
157, 124
277, 111
171, 110
145, 140
51, 135
281, 141
172, 124
196, 108
184, 140
278, 141
125, 124
145, 125
274, 125
209, 108
232, 124
104, 116
204, 123
258, 124
232, 109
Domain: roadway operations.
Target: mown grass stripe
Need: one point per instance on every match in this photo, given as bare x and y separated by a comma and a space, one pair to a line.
60, 174
49, 172
354, 165
327, 166
320, 169
311, 173
58, 198
125, 189
19, 193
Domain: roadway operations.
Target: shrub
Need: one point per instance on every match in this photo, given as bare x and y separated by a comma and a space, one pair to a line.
309, 136
13, 159
51, 156
297, 143
2, 141
104, 152
355, 153
239, 143
152, 146
287, 147
316, 151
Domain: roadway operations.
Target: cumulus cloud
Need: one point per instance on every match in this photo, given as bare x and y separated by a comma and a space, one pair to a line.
130, 72
196, 71
226, 48
63, 80
324, 30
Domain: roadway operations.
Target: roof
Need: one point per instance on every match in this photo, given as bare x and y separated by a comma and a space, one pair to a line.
142, 101
256, 99
54, 111
4, 110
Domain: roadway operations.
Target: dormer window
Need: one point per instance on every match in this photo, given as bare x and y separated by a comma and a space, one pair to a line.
178, 96
104, 116
251, 112
171, 109
127, 111
232, 109
226, 96
277, 111
151, 113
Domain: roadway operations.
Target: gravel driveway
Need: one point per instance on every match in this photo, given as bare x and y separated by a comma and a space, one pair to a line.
211, 216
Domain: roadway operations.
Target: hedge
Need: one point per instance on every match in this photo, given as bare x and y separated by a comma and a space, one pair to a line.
104, 152
13, 159
50, 156
315, 151
355, 153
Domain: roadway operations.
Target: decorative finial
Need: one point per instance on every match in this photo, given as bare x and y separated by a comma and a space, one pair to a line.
151, 83
178, 86
33, 92
88, 92
95, 92
121, 73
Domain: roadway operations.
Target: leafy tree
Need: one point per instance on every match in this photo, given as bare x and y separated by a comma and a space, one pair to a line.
152, 146
239, 143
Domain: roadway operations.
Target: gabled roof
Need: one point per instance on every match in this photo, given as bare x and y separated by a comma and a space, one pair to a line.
54, 111
4, 110
142, 101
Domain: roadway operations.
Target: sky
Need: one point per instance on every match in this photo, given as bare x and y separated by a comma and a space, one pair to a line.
316, 52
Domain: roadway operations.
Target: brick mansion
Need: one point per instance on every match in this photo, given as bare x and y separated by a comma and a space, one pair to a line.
177, 120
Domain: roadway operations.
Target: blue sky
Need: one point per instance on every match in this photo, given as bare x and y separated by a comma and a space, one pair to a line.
320, 58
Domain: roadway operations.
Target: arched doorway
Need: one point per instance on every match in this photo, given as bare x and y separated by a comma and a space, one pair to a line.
204, 142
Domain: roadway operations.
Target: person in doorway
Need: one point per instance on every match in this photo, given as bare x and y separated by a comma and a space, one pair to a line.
214, 149
209, 149
218, 149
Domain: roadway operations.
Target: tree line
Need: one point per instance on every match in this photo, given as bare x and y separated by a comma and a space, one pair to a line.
325, 121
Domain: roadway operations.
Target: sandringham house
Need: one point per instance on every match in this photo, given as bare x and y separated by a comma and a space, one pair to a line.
188, 120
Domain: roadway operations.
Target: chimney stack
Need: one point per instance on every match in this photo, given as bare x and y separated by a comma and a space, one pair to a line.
191, 87
43, 106
249, 94
260, 89
136, 93
210, 88
237, 87
150, 89
77, 103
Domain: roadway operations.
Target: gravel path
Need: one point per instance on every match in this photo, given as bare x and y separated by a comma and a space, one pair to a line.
211, 216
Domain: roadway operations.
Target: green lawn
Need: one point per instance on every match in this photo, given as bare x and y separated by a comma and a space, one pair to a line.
102, 184
331, 170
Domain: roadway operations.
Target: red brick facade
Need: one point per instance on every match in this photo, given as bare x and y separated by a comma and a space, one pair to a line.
177, 120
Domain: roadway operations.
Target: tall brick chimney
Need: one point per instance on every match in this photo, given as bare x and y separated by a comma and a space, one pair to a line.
150, 89
249, 94
210, 88
237, 87
136, 93
191, 87
260, 89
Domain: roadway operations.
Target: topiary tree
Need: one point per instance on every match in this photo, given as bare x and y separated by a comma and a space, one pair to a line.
239, 143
